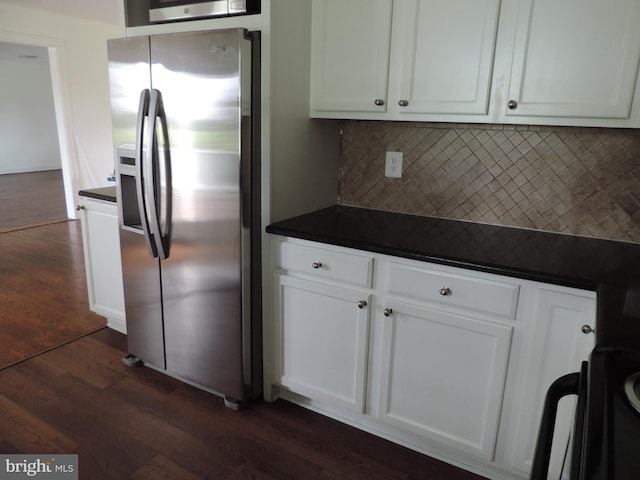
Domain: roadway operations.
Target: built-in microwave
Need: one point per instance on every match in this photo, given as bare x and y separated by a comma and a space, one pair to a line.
174, 10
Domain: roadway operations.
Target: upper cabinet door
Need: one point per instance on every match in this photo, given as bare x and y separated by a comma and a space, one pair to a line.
350, 55
573, 58
442, 55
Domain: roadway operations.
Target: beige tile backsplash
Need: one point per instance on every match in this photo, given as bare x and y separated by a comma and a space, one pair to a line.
582, 181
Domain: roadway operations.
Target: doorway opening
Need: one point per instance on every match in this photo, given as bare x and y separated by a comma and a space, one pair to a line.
35, 178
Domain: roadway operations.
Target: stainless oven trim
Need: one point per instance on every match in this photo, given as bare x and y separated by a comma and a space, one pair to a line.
630, 390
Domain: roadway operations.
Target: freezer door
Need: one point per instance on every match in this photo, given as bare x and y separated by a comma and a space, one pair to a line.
129, 75
199, 76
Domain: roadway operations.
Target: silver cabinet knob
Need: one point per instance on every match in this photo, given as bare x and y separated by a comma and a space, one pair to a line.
512, 104
403, 103
586, 329
445, 291
379, 102
362, 304
387, 312
79, 207
316, 264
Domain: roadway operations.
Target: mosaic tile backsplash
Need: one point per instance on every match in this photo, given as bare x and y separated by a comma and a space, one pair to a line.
581, 181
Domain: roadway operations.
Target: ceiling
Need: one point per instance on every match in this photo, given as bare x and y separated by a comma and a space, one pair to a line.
105, 11
26, 53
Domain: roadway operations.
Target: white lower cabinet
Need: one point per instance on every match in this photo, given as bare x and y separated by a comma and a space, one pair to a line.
443, 376
321, 340
450, 362
558, 347
101, 245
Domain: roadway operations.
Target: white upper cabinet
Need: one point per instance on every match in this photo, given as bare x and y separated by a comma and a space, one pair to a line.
573, 62
370, 60
442, 55
574, 58
350, 57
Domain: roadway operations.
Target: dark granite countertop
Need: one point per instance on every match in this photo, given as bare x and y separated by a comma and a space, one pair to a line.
605, 266
104, 193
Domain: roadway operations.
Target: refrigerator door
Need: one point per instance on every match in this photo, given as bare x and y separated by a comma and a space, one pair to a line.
199, 76
129, 64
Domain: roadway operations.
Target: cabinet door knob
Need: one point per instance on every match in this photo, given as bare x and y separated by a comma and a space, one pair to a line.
379, 102
445, 291
362, 304
79, 207
387, 312
403, 103
316, 264
586, 329
512, 104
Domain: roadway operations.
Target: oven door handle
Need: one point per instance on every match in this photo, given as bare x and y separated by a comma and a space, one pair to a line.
579, 425
566, 385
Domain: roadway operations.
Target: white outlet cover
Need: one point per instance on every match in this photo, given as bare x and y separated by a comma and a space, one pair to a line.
393, 165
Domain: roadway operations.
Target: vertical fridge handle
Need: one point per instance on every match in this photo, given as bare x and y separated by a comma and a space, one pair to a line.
141, 161
159, 208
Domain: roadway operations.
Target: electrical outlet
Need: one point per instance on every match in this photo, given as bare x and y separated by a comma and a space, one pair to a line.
393, 165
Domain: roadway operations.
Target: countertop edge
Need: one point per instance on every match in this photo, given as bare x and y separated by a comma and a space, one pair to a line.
609, 268
107, 194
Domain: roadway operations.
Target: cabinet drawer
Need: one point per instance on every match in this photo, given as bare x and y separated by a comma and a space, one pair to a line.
341, 266
457, 291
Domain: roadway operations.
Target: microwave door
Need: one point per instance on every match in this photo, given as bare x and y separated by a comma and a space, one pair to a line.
171, 10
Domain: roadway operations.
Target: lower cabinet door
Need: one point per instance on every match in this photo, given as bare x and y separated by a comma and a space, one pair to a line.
558, 348
102, 261
443, 376
321, 341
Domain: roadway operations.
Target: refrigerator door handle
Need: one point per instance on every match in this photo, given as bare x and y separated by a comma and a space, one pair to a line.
141, 161
159, 177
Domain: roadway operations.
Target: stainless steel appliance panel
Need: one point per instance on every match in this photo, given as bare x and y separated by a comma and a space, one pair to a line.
129, 68
174, 10
199, 77
189, 223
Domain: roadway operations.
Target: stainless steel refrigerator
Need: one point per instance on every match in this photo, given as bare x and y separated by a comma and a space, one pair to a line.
186, 137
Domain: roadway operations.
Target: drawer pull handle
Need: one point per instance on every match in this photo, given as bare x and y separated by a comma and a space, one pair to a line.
445, 291
387, 312
586, 329
316, 264
362, 304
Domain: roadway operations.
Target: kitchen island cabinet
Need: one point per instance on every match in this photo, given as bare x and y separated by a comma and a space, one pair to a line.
447, 361
532, 62
101, 243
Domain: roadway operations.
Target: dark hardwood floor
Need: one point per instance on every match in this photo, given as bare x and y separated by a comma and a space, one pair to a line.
43, 290
136, 423
31, 198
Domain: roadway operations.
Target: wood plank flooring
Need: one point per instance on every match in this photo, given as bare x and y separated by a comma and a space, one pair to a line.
136, 423
32, 198
43, 290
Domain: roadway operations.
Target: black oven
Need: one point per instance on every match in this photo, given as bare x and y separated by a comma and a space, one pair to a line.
175, 10
606, 435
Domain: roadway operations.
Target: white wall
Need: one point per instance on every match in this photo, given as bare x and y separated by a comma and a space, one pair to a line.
80, 54
28, 132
